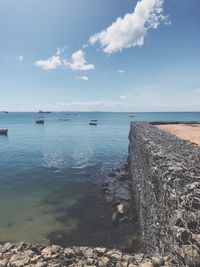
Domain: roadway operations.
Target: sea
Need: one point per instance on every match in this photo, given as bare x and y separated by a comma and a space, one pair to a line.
50, 176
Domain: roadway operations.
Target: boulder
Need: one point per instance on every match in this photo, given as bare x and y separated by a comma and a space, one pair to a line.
104, 262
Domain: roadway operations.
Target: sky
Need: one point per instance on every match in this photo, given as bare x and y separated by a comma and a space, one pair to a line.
100, 55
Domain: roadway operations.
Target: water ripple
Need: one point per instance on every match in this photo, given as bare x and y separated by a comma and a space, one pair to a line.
53, 160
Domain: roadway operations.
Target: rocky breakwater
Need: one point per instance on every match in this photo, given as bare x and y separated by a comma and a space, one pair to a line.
165, 173
22, 254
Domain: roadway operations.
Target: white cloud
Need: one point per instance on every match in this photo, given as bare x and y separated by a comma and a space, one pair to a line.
84, 78
122, 96
52, 63
121, 71
78, 62
130, 31
21, 58
61, 50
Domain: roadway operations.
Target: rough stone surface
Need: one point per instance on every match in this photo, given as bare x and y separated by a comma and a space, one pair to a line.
165, 173
29, 255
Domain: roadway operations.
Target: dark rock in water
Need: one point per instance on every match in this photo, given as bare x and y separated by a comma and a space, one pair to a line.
124, 177
115, 218
112, 174
117, 188
121, 210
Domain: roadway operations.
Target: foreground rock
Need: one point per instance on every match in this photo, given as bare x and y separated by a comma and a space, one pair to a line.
22, 254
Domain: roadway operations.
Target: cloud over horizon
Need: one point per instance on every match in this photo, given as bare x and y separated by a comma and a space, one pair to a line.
131, 30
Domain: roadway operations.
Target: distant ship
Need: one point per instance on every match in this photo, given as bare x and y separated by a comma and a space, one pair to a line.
40, 111
131, 116
3, 131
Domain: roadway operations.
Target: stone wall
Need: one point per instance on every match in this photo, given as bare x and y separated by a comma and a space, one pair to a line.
165, 175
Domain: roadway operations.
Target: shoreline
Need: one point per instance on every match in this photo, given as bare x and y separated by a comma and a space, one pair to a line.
189, 132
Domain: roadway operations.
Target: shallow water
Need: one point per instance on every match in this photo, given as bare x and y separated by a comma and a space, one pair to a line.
50, 176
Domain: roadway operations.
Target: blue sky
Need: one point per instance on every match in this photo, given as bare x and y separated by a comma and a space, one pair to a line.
116, 55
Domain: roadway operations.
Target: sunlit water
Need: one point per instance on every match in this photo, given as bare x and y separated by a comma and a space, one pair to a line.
50, 176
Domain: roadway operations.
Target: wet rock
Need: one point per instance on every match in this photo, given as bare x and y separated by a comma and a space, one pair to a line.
121, 210
115, 218
112, 174
123, 177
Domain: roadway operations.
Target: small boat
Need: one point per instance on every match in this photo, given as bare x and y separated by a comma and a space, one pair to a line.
131, 116
40, 111
93, 123
94, 120
3, 131
39, 121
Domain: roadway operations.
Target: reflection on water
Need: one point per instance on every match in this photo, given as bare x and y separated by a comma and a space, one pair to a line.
81, 159
53, 160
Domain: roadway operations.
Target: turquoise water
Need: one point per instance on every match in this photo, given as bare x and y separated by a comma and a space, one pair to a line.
50, 175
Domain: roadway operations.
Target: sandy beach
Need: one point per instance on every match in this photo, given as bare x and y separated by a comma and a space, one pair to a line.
189, 132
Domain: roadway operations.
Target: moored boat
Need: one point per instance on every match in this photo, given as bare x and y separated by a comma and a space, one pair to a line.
40, 111
3, 131
39, 121
94, 120
93, 123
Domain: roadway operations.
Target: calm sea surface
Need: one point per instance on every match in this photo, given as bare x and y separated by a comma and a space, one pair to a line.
50, 175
